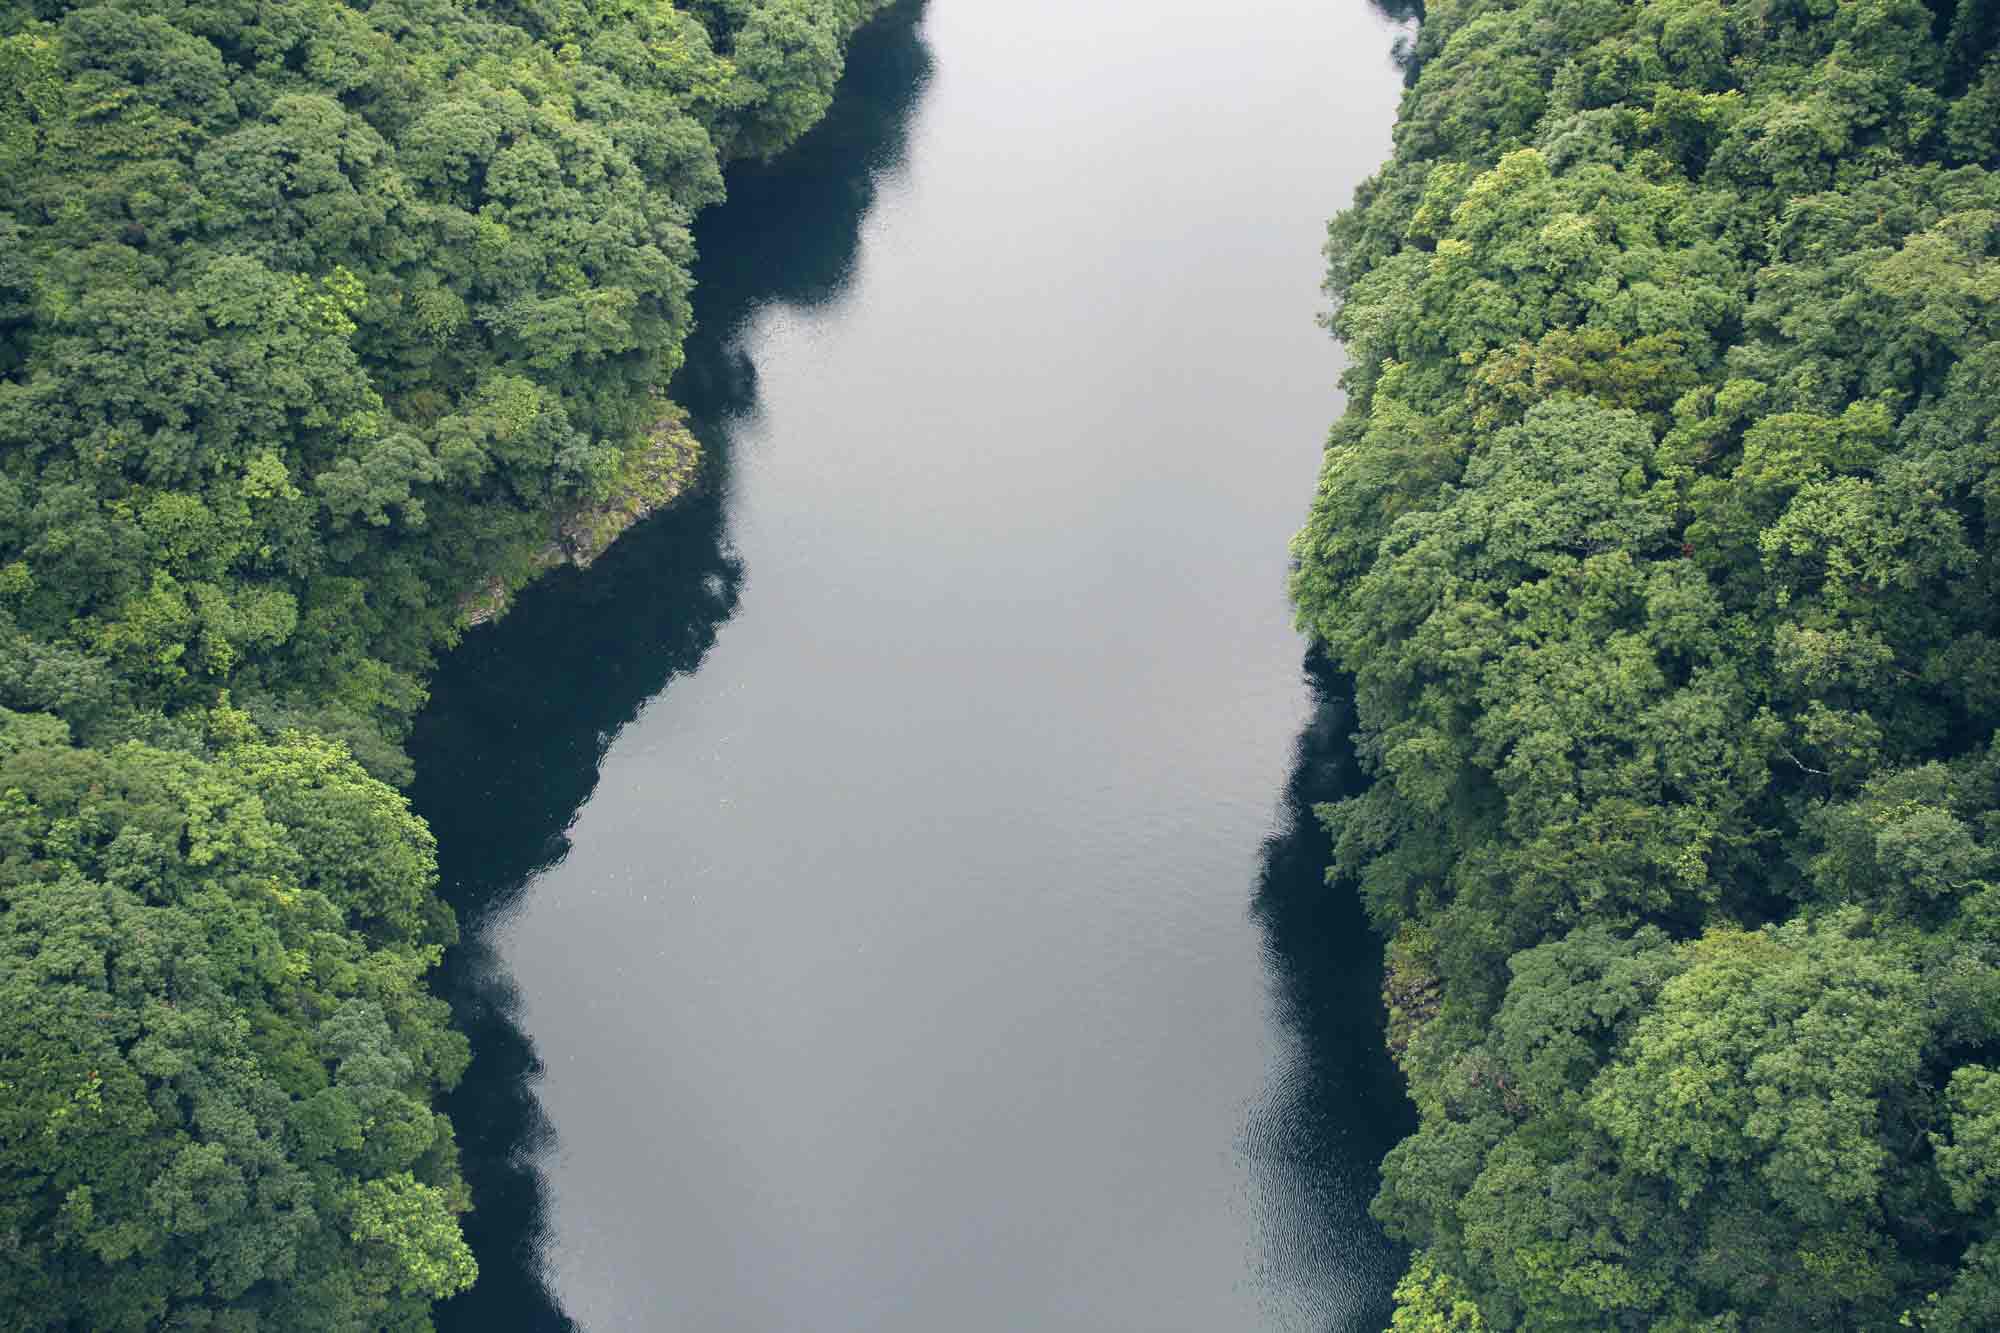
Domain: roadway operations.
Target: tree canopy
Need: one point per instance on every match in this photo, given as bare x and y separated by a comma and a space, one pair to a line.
1656, 538
316, 320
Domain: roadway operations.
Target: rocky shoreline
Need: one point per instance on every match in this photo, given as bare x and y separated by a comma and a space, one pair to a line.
654, 476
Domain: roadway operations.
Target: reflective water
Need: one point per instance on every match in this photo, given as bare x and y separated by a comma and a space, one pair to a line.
889, 893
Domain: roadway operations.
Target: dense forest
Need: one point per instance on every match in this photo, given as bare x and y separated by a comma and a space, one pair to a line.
1661, 539
323, 326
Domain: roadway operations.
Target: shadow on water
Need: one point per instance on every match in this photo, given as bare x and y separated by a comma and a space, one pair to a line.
1336, 1104
1410, 14
524, 711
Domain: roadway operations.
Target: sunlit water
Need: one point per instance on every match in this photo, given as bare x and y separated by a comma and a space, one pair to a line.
888, 895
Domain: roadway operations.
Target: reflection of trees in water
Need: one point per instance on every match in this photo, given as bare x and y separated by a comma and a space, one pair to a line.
1337, 1105
524, 711
1409, 13
505, 756
791, 231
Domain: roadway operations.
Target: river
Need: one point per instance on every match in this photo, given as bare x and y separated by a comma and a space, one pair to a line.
889, 891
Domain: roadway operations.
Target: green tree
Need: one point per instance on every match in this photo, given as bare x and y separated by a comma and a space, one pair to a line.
1656, 538
314, 318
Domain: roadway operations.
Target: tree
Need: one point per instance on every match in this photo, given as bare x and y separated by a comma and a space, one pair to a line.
1657, 539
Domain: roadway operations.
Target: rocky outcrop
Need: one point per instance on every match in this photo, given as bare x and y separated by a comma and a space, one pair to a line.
654, 476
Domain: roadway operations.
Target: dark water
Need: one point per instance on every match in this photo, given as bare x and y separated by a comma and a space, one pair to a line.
889, 893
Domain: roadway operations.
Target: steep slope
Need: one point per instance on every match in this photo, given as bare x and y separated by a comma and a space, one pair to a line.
319, 323
1656, 537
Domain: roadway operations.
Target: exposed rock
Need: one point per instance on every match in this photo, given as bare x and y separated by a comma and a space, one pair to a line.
1410, 988
653, 477
486, 602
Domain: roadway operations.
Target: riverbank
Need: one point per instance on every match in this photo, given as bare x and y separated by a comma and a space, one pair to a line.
1657, 538
652, 477
304, 331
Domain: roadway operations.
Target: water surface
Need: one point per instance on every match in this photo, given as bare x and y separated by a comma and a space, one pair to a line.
889, 897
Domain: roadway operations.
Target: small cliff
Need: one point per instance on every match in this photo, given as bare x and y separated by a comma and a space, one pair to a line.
654, 476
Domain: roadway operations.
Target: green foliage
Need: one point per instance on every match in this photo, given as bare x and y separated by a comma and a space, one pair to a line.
1428, 1301
213, 1035
1657, 539
314, 318
346, 301
411, 1224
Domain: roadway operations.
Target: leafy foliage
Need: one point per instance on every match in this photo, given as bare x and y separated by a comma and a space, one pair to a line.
314, 319
214, 1040
1656, 537
317, 312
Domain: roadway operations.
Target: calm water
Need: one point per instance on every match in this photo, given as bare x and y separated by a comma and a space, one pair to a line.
889, 896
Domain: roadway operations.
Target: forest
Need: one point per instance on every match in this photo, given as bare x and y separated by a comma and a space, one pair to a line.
323, 327
1661, 540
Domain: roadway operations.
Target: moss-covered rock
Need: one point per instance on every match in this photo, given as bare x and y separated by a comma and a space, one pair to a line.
655, 474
